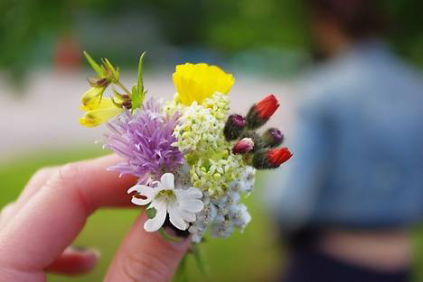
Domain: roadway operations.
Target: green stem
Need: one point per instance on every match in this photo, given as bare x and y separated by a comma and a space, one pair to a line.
181, 274
118, 83
198, 256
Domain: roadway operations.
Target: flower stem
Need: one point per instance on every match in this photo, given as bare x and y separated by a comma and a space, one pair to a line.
118, 83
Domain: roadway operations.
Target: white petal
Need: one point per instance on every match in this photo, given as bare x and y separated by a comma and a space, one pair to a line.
167, 181
187, 216
135, 188
156, 222
193, 192
148, 192
176, 218
191, 205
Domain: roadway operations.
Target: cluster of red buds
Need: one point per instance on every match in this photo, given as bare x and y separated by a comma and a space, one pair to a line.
260, 151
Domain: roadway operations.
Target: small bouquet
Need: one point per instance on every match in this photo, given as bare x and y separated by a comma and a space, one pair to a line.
193, 160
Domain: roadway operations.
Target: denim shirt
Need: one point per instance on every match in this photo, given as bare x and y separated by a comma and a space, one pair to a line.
358, 151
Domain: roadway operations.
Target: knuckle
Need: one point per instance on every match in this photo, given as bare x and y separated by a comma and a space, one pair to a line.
68, 172
8, 208
68, 177
146, 267
42, 174
6, 212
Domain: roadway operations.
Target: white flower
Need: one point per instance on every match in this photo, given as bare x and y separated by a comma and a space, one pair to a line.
246, 182
242, 217
181, 204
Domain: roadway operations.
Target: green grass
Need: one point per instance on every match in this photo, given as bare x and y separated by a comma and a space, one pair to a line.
251, 256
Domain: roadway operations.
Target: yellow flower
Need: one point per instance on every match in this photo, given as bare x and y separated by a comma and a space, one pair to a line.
93, 96
99, 111
196, 82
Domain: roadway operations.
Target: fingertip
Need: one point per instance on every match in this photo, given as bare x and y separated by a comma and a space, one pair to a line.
75, 261
146, 254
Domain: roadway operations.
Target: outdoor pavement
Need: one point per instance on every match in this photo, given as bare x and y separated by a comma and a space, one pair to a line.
45, 116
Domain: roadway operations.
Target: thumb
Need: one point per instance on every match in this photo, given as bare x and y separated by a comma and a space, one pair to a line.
145, 256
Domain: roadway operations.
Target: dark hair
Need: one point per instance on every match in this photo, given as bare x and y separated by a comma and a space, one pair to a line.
358, 19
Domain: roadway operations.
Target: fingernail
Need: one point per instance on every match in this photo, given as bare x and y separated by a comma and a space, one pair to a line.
84, 249
96, 252
80, 248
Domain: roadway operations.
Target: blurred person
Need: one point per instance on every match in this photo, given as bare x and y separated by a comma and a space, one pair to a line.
355, 186
37, 230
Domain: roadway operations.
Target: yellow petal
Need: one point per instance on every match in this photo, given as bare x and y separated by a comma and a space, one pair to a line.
196, 82
96, 117
104, 103
92, 97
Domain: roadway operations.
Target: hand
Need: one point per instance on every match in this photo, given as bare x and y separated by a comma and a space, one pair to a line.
37, 230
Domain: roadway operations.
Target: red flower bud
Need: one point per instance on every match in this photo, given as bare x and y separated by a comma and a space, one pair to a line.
273, 158
267, 107
278, 156
243, 146
260, 113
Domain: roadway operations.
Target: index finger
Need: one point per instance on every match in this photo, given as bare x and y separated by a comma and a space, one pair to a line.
53, 217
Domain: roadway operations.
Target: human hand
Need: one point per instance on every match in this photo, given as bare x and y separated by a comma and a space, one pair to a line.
37, 230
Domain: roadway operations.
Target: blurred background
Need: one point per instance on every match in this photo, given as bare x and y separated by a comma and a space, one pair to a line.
266, 44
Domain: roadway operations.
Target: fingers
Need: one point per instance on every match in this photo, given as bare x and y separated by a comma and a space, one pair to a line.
6, 213
53, 217
145, 256
35, 183
33, 186
74, 261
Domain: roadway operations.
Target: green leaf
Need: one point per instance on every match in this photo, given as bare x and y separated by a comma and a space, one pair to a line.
138, 92
140, 84
140, 78
136, 99
151, 212
96, 67
112, 69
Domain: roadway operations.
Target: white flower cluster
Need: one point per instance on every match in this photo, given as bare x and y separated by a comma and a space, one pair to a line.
189, 208
200, 133
201, 126
225, 214
212, 167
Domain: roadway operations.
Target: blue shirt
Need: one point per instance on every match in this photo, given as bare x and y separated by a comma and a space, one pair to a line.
358, 154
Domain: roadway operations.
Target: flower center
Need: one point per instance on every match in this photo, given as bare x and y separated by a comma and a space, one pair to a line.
168, 195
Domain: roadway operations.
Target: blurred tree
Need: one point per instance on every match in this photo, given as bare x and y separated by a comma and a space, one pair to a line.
406, 28
243, 24
22, 23
226, 26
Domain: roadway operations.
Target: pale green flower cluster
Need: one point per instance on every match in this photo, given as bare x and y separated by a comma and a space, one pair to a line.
201, 126
209, 155
216, 175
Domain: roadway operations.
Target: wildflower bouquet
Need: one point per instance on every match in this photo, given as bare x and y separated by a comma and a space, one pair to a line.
193, 160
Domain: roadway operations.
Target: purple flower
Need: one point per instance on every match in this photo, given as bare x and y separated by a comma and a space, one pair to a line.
234, 127
145, 141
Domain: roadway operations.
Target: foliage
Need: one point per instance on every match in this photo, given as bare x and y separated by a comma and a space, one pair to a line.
406, 26
22, 23
220, 25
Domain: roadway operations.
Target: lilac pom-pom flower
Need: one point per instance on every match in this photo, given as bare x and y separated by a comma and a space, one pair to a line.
145, 140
